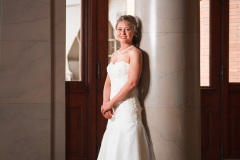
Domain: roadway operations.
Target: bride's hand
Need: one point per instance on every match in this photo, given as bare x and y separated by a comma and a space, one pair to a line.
106, 107
108, 114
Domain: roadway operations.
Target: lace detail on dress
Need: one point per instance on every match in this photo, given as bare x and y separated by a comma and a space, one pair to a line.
118, 73
118, 69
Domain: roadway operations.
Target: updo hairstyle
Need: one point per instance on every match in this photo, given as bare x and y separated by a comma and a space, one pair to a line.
133, 22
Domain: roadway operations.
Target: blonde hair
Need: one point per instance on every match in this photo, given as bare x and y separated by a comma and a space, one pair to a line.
133, 22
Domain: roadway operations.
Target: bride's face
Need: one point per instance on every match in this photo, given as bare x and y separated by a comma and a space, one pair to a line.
125, 32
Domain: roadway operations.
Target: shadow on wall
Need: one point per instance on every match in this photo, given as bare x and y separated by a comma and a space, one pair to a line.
144, 82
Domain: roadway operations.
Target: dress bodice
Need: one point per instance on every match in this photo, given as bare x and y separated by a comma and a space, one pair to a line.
118, 73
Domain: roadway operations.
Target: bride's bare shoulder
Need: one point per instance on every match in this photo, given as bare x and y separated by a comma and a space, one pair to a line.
135, 52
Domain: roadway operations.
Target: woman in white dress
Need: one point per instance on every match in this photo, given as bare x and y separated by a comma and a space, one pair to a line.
125, 137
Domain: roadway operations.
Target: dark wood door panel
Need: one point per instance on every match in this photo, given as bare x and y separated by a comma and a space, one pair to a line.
76, 115
206, 132
232, 123
210, 125
230, 91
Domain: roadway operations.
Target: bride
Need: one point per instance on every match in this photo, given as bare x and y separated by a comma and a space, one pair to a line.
125, 137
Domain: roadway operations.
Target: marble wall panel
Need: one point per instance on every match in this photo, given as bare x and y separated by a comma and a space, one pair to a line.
26, 20
24, 11
25, 73
58, 46
25, 131
58, 129
174, 135
172, 68
33, 31
170, 40
59, 72
26, 106
168, 16
176, 49
58, 20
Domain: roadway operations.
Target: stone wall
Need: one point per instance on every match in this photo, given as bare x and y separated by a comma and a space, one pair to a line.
32, 92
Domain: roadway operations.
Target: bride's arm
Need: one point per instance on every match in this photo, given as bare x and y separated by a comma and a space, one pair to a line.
133, 78
106, 90
106, 96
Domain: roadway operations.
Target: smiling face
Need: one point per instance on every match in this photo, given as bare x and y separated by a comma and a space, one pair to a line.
125, 32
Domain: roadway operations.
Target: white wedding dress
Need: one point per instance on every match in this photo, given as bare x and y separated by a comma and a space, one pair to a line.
125, 137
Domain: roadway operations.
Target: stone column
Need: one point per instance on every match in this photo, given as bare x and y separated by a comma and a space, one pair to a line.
171, 85
32, 80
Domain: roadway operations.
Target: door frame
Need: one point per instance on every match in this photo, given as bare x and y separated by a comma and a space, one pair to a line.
210, 95
230, 94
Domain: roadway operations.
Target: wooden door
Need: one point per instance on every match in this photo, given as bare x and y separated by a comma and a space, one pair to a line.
231, 79
84, 124
220, 100
211, 93
80, 97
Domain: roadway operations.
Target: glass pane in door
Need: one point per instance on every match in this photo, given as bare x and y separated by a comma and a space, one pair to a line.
204, 42
73, 41
234, 41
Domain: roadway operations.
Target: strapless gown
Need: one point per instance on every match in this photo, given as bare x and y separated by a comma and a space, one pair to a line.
125, 137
